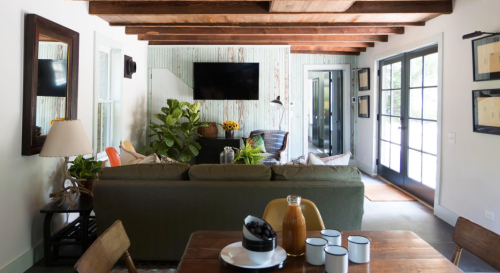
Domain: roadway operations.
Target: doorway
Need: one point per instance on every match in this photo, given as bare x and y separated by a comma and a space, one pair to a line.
408, 121
325, 112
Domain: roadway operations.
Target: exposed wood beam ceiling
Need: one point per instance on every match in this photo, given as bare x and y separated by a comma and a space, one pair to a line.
340, 27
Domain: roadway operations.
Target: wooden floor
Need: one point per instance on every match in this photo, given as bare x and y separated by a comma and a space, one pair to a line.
412, 216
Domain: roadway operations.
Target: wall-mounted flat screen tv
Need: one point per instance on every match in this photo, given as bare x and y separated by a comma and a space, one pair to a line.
52, 78
226, 81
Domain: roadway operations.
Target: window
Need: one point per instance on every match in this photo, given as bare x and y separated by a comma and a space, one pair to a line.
107, 94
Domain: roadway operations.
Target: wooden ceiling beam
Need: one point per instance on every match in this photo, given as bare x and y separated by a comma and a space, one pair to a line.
262, 30
262, 8
329, 48
310, 6
324, 52
236, 43
244, 0
276, 25
264, 38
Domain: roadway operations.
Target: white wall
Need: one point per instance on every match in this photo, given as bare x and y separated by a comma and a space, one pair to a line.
470, 172
26, 181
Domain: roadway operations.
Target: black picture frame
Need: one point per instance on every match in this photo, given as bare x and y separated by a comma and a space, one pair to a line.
487, 62
364, 106
491, 111
366, 86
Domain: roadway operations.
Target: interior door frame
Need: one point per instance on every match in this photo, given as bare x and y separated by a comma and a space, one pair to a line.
346, 68
440, 211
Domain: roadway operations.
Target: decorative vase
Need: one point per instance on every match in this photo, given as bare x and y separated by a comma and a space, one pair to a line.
229, 134
208, 132
89, 184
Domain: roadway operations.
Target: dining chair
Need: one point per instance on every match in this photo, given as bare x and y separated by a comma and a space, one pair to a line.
276, 209
114, 157
482, 242
128, 145
103, 254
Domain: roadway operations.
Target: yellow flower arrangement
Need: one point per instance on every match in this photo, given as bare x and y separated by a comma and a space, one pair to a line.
56, 119
230, 125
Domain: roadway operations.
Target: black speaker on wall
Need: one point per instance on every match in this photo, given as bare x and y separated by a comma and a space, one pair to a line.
130, 67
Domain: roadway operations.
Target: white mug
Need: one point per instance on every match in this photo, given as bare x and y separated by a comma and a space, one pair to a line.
359, 249
336, 259
333, 236
315, 254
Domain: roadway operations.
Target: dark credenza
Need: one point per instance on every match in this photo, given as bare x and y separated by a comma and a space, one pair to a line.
212, 147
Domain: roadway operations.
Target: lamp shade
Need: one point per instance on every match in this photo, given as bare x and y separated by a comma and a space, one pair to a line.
66, 138
277, 102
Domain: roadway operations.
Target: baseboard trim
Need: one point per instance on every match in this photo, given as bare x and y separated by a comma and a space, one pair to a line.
25, 261
446, 215
416, 198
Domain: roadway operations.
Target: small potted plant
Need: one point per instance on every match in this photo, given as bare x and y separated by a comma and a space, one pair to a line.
229, 127
249, 155
86, 168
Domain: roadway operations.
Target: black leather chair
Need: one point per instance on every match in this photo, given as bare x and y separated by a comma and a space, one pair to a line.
276, 146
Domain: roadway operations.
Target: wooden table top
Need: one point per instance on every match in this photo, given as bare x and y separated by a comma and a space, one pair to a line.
391, 251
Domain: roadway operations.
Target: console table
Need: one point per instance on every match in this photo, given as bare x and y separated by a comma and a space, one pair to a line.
81, 232
212, 147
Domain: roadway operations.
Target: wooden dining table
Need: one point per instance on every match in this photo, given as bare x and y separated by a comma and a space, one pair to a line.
391, 251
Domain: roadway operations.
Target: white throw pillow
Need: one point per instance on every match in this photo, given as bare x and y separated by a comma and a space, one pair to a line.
150, 159
313, 159
127, 156
338, 160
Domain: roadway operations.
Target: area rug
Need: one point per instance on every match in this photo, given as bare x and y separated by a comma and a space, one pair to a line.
147, 266
386, 193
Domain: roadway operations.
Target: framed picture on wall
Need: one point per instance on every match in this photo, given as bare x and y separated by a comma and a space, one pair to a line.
486, 58
364, 106
486, 111
364, 79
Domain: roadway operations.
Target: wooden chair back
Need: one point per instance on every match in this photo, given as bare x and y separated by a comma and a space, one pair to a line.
103, 254
276, 209
128, 145
482, 242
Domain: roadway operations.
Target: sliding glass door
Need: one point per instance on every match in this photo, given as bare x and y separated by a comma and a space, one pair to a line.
408, 127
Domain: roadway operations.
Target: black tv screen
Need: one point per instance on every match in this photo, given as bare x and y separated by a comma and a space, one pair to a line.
226, 81
52, 78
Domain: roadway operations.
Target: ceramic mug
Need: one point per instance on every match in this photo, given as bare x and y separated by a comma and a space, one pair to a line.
333, 236
315, 254
359, 249
336, 259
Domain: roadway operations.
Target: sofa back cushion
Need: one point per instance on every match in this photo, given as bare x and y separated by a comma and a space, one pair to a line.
315, 173
229, 172
165, 172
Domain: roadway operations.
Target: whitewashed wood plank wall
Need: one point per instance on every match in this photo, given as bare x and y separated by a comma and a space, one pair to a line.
280, 75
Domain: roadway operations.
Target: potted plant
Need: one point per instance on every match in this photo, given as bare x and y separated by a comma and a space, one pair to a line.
176, 136
86, 168
229, 127
249, 155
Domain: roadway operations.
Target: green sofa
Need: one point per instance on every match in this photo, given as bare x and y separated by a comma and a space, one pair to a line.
160, 205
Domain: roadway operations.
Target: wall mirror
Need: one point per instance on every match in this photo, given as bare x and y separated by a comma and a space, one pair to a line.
50, 79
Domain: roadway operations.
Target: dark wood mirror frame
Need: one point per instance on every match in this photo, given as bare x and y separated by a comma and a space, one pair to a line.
34, 27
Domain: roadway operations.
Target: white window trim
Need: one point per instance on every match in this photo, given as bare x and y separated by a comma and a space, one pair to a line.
115, 50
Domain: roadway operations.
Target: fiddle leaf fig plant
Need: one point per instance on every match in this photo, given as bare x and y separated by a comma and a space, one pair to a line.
176, 136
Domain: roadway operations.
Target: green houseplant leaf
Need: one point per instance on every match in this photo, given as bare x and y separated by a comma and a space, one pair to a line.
85, 168
175, 136
249, 155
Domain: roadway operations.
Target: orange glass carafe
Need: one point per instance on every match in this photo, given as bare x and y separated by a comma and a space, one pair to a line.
294, 228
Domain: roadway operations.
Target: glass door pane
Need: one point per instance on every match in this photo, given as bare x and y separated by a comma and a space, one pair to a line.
408, 125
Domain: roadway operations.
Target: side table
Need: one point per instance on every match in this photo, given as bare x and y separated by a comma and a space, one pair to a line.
212, 147
81, 232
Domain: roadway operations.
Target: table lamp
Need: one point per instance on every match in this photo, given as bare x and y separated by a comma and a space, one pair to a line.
67, 138
277, 103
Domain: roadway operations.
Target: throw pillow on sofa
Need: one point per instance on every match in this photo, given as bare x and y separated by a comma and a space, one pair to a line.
257, 142
336, 160
128, 157
150, 159
167, 160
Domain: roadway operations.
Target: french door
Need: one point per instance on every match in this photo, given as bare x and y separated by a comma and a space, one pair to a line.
408, 127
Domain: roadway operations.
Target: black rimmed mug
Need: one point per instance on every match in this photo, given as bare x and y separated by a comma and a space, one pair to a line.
333, 236
315, 253
336, 259
359, 249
